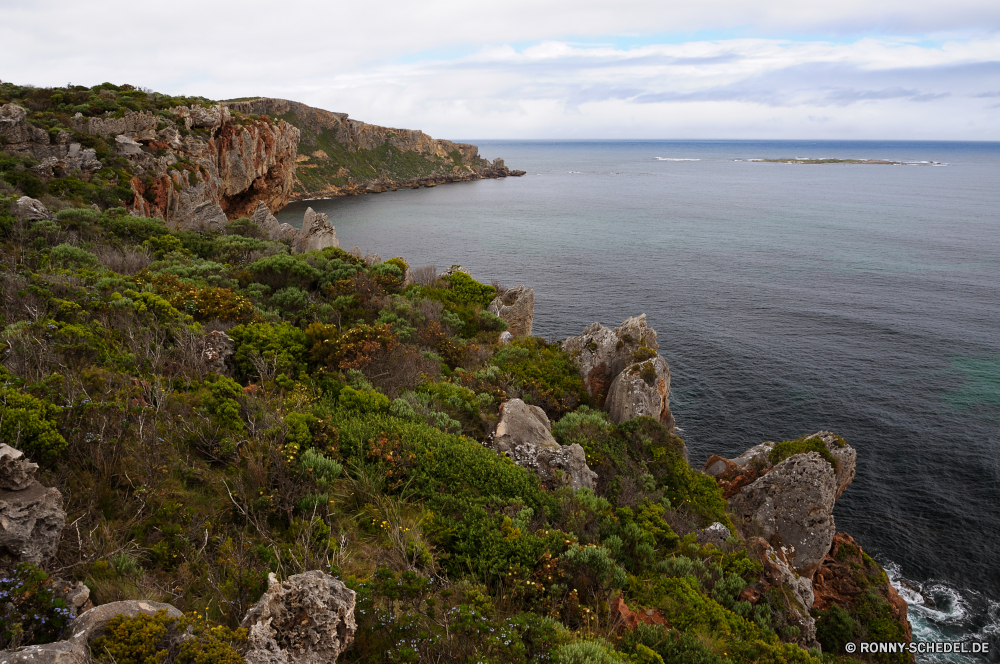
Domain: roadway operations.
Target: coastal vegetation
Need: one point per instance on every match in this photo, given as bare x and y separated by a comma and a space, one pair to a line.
344, 427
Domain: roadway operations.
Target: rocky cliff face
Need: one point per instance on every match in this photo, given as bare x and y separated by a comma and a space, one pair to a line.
205, 168
338, 156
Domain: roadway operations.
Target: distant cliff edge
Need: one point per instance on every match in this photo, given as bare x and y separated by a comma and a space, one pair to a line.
338, 156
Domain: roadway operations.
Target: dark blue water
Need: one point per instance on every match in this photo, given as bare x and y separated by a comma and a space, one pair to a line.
863, 299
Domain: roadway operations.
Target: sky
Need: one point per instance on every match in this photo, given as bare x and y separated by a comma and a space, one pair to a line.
536, 69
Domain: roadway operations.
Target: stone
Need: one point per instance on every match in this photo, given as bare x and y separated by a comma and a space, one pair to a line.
716, 534
72, 651
317, 233
642, 389
84, 628
306, 619
602, 353
506, 337
207, 216
125, 146
845, 455
209, 118
516, 307
720, 467
791, 506
777, 573
30, 209
452, 270
524, 435
16, 471
269, 224
216, 349
31, 521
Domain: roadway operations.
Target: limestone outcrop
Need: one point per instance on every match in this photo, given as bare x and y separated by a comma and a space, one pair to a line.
217, 347
306, 619
516, 307
642, 389
30, 209
195, 180
623, 371
778, 573
31, 515
16, 471
792, 506
790, 503
524, 435
322, 173
317, 232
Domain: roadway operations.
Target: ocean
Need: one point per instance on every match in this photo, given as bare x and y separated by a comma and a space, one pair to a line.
788, 298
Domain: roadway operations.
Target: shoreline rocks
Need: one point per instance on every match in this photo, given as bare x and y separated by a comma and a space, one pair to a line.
516, 307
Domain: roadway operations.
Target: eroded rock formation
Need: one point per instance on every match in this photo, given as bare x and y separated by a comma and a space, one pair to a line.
306, 619
31, 515
623, 371
317, 232
217, 168
415, 159
516, 307
524, 435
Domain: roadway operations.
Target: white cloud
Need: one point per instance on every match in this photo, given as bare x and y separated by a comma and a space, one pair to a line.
537, 69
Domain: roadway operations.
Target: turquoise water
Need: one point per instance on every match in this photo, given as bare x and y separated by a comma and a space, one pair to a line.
862, 299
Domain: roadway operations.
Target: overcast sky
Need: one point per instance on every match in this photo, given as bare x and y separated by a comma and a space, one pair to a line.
861, 69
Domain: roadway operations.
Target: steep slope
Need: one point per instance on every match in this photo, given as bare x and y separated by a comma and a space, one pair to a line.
338, 156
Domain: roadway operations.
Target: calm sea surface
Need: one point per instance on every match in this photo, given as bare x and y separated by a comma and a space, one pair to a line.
863, 299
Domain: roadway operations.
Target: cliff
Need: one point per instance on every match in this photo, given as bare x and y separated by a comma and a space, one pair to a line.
338, 156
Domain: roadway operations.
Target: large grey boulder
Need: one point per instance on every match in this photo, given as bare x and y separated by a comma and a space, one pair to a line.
30, 209
845, 455
125, 146
791, 507
642, 389
31, 521
306, 619
85, 628
524, 435
516, 307
16, 471
317, 233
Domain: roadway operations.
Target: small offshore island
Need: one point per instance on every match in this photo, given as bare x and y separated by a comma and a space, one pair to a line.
225, 440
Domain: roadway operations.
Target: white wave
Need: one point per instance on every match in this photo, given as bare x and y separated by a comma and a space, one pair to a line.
576, 172
673, 159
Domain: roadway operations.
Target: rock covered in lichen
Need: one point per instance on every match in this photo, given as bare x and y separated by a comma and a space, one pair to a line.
516, 306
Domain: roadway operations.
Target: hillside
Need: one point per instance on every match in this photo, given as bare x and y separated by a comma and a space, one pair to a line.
338, 156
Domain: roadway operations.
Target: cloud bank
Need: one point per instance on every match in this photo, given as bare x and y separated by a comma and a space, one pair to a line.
722, 69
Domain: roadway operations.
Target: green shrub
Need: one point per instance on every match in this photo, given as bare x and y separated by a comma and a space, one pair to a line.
70, 257
161, 245
120, 223
466, 290
282, 346
587, 652
29, 424
546, 374
787, 448
146, 639
668, 644
284, 270
834, 628
324, 470
363, 401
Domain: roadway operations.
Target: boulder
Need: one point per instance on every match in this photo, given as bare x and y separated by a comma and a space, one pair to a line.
85, 628
16, 472
317, 233
523, 434
716, 534
506, 337
216, 349
207, 216
791, 506
269, 224
641, 389
30, 209
306, 619
31, 521
516, 307
845, 455
601, 353
452, 270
